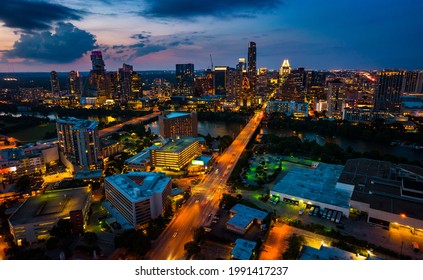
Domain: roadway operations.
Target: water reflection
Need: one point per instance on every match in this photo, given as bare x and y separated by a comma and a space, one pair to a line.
357, 145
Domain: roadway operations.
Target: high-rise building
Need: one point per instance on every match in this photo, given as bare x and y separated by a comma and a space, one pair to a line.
98, 84
413, 81
285, 69
75, 84
220, 76
161, 89
178, 124
97, 61
335, 98
138, 196
185, 79
54, 81
252, 66
129, 83
79, 144
136, 85
387, 97
125, 81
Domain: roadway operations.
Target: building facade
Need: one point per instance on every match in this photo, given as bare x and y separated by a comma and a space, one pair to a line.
138, 196
35, 218
178, 124
387, 97
185, 79
79, 143
176, 155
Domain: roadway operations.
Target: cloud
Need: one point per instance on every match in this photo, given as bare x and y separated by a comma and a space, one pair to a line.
188, 9
66, 44
148, 44
35, 15
142, 36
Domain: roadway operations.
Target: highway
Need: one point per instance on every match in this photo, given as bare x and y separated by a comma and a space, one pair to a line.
204, 203
112, 129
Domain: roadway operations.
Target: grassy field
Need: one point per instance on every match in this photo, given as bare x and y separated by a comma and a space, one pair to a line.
34, 133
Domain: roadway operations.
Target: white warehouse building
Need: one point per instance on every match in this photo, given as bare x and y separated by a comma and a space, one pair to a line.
317, 186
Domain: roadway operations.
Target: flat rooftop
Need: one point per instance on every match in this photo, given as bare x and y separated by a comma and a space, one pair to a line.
243, 249
327, 253
174, 115
244, 215
85, 124
386, 195
317, 184
88, 174
138, 186
356, 171
178, 145
52, 205
412, 168
142, 156
78, 123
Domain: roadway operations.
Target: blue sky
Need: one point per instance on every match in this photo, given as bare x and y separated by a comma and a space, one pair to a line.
153, 35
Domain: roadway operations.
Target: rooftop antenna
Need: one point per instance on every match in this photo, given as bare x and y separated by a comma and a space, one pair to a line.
211, 60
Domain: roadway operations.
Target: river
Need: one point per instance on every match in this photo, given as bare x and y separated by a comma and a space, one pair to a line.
222, 128
204, 127
356, 145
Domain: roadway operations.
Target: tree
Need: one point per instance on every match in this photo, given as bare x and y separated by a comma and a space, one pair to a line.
23, 183
192, 248
62, 229
199, 234
135, 241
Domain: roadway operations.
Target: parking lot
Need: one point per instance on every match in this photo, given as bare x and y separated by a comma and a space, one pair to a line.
396, 239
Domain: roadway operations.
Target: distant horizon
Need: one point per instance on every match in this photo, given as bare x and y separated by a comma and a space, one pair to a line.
200, 70
159, 34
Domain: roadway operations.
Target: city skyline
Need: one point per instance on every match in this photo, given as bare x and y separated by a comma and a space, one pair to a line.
60, 35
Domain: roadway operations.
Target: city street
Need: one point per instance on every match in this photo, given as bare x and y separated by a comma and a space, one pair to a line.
112, 129
205, 201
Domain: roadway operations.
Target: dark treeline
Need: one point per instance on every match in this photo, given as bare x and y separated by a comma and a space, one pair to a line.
378, 131
75, 112
229, 117
11, 124
328, 153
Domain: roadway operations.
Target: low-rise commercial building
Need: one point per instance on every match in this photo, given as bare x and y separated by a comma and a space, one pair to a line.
138, 196
34, 219
243, 218
141, 161
316, 186
391, 195
243, 249
176, 155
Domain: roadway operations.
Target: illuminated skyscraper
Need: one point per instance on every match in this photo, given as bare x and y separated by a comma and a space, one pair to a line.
97, 61
74, 84
98, 85
387, 97
220, 73
285, 69
79, 143
54, 81
335, 98
130, 83
252, 66
185, 79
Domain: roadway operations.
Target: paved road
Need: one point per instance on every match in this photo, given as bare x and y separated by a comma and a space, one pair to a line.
199, 209
110, 130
